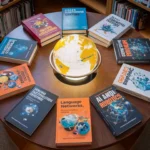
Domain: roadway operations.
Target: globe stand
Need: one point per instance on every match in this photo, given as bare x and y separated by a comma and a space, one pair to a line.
75, 81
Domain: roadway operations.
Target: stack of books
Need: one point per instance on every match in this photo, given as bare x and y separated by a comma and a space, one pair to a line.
74, 21
108, 29
42, 29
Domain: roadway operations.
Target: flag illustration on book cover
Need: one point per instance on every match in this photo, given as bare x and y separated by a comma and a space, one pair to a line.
30, 112
15, 80
73, 123
134, 81
41, 28
117, 112
17, 50
132, 50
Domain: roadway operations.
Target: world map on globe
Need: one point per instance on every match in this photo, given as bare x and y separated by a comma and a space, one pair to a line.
75, 55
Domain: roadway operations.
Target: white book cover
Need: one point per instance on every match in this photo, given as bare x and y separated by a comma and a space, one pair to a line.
134, 81
110, 27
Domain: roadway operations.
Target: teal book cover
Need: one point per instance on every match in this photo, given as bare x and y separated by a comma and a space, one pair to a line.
74, 19
17, 49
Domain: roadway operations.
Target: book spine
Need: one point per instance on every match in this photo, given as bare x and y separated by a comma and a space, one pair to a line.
132, 93
31, 33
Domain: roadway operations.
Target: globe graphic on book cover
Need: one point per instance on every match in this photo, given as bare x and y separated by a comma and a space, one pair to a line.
75, 55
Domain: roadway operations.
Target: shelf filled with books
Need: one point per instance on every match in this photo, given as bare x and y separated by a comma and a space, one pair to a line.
140, 5
12, 14
9, 5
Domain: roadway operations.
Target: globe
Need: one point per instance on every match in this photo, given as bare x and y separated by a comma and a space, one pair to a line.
75, 55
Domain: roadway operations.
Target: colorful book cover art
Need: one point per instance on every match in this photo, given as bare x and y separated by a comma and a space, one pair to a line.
133, 79
41, 26
119, 114
133, 49
73, 124
110, 27
17, 48
15, 80
32, 109
74, 19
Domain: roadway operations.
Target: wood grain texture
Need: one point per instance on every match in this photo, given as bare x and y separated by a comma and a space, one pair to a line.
44, 77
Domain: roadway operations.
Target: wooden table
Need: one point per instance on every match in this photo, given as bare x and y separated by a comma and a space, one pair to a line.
44, 77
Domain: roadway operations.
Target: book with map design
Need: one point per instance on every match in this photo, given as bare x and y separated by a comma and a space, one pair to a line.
73, 122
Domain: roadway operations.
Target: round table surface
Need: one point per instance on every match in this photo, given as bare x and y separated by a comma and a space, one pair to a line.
44, 77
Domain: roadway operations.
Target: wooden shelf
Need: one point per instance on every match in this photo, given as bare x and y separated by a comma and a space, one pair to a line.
9, 4
140, 5
98, 5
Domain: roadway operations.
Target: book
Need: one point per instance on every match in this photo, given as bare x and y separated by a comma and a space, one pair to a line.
74, 20
117, 112
132, 50
41, 28
31, 110
109, 28
73, 122
134, 81
17, 50
15, 80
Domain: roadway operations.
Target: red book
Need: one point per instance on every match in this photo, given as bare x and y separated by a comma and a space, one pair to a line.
41, 28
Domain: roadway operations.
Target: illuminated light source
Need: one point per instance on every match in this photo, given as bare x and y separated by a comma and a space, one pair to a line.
75, 58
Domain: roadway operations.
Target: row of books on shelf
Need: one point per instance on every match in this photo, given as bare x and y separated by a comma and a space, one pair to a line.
12, 17
144, 2
73, 119
137, 16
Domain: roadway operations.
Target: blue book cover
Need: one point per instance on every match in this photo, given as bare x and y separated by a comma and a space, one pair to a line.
16, 50
30, 112
74, 19
117, 112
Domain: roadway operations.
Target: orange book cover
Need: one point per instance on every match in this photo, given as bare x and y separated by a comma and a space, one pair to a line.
73, 123
15, 80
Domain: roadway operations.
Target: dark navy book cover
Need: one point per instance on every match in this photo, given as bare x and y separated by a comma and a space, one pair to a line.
29, 112
17, 48
117, 112
132, 50
74, 19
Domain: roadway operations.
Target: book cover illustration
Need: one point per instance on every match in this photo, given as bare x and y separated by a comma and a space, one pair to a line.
110, 27
73, 126
134, 81
74, 19
17, 48
14, 80
41, 26
118, 113
132, 49
30, 112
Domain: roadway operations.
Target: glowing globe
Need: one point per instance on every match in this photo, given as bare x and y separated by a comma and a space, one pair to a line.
75, 55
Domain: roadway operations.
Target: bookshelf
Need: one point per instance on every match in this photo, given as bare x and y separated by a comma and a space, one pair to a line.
139, 5
101, 6
9, 5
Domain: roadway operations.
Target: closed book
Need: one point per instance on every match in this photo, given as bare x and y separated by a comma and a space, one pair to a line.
73, 122
17, 50
74, 20
134, 81
132, 50
109, 28
40, 27
15, 80
31, 110
117, 112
